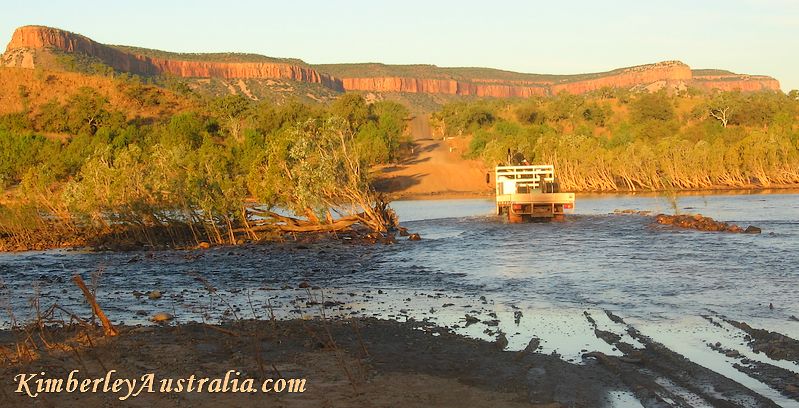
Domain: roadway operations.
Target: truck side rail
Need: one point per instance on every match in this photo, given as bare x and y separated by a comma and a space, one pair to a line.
528, 175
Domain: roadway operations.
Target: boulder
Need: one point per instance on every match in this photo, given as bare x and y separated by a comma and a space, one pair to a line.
752, 230
664, 219
734, 228
161, 317
702, 223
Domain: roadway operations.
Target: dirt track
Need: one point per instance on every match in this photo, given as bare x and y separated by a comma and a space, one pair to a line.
435, 169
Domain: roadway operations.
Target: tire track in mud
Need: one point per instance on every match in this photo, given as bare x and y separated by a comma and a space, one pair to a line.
778, 378
660, 377
775, 346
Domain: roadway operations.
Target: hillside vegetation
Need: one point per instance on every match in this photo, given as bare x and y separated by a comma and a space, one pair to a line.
28, 90
206, 56
613, 140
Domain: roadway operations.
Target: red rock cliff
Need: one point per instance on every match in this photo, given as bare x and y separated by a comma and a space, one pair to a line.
670, 72
36, 37
441, 86
730, 82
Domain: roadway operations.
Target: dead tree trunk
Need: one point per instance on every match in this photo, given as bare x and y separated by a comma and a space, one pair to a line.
109, 329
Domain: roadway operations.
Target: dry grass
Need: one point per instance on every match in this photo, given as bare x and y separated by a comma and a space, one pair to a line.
44, 86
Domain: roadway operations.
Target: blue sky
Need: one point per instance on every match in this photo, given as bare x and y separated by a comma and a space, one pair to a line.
748, 36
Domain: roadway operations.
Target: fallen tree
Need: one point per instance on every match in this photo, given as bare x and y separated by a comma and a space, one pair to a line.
316, 170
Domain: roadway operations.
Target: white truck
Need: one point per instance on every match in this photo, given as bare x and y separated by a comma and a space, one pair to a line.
525, 193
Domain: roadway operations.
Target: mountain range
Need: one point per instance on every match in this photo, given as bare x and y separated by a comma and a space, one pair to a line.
259, 77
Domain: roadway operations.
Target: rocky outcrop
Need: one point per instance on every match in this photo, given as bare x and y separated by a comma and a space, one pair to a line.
701, 223
434, 81
731, 82
37, 37
441, 86
18, 58
199, 69
672, 72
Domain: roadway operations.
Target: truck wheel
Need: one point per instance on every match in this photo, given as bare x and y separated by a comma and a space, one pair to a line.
558, 214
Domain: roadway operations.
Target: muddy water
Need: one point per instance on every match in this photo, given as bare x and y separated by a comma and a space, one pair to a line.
525, 280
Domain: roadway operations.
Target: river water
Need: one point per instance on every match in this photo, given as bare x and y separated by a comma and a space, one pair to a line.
535, 279
621, 262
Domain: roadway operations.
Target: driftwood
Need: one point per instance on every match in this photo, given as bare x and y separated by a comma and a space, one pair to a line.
289, 224
338, 225
279, 218
377, 217
109, 329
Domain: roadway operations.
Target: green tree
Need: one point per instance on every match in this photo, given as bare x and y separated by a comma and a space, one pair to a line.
230, 111
352, 108
652, 106
87, 111
530, 112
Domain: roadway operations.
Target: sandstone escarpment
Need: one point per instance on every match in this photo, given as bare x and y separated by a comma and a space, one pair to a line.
730, 82
440, 86
663, 74
37, 37
30, 41
672, 72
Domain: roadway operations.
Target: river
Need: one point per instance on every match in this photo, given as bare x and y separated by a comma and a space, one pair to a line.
537, 279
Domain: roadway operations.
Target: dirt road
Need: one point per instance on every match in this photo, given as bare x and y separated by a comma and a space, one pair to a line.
435, 169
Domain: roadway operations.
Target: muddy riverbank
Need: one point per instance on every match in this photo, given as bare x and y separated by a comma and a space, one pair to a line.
369, 362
